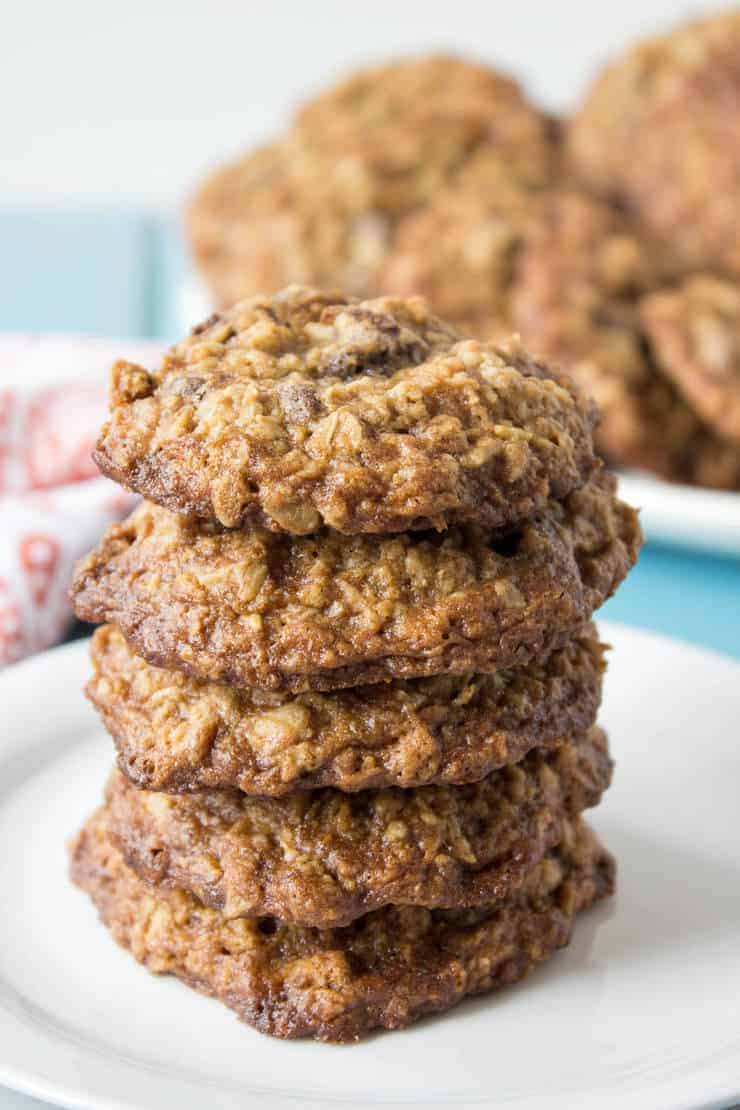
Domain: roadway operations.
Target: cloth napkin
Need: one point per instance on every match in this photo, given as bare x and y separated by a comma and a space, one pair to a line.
54, 504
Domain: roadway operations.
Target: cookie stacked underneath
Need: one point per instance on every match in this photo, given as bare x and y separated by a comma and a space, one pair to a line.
348, 664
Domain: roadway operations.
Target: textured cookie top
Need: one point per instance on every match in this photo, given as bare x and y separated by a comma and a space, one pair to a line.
385, 970
580, 277
671, 102
325, 858
255, 608
695, 334
372, 416
175, 733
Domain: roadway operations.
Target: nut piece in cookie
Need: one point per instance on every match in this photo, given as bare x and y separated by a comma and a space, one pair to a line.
255, 608
671, 102
178, 734
325, 858
308, 408
384, 971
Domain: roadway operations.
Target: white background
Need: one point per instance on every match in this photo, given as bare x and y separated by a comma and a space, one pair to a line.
130, 102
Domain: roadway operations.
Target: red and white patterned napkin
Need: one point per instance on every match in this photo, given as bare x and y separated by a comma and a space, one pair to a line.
54, 504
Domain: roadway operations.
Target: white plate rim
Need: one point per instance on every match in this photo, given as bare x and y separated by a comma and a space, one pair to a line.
691, 517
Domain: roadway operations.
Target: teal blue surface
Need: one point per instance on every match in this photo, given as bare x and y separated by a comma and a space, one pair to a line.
120, 274
692, 597
77, 271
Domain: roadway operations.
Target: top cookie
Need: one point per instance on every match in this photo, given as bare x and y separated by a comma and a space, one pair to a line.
672, 103
308, 409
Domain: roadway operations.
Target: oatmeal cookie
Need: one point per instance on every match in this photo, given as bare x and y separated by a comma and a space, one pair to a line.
254, 608
671, 102
372, 416
694, 331
385, 970
326, 858
177, 734
580, 279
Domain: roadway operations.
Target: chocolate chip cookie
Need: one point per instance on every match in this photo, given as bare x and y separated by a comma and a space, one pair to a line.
460, 251
402, 130
269, 219
580, 279
321, 204
307, 409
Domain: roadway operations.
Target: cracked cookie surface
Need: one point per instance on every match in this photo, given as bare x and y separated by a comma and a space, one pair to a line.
256, 608
325, 858
385, 970
307, 409
177, 734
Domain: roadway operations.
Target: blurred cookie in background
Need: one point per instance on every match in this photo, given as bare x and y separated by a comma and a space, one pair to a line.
581, 283
695, 334
436, 176
576, 284
322, 204
268, 220
571, 274
398, 132
461, 249
659, 132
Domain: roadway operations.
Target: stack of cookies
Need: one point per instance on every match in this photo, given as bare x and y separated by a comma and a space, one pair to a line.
348, 664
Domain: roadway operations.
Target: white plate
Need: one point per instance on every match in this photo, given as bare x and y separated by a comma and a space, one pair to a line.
704, 519
642, 1010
